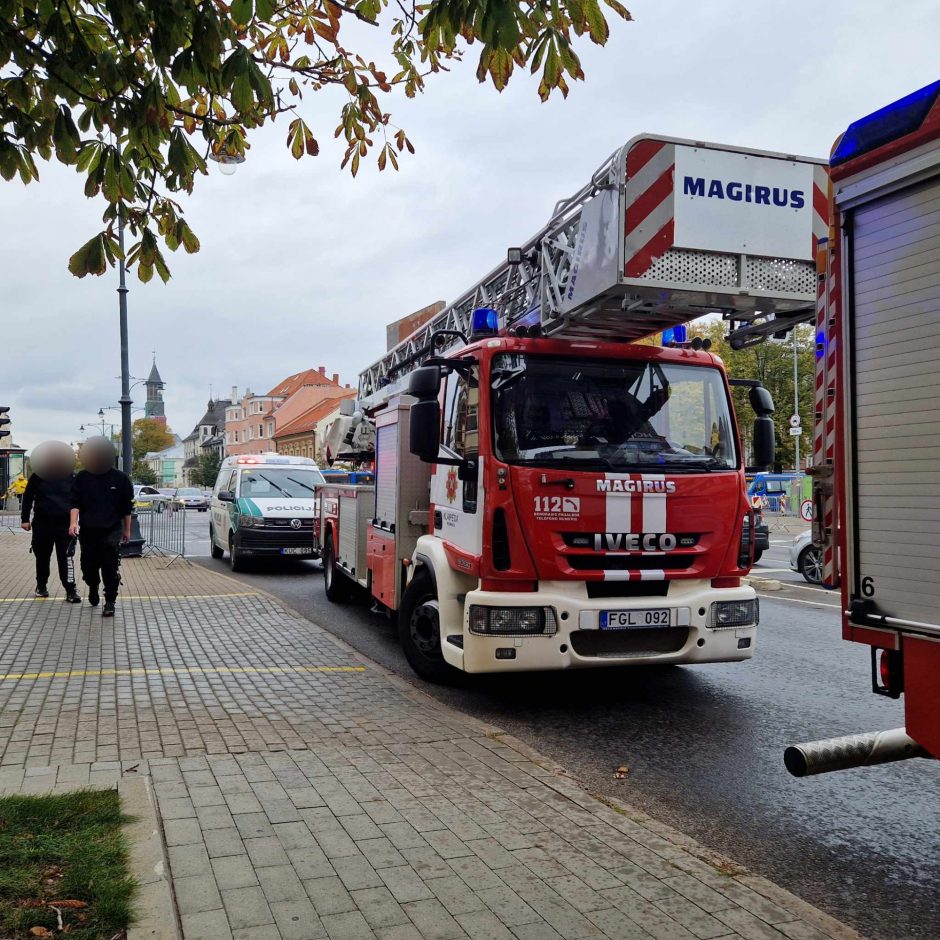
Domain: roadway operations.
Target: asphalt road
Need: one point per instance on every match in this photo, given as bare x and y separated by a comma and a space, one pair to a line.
704, 746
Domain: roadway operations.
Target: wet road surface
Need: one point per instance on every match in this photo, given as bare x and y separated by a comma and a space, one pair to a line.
704, 748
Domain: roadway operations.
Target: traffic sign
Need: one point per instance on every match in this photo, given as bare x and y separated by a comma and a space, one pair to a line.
806, 510
794, 421
796, 432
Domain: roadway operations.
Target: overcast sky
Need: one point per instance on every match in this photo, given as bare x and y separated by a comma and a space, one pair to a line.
302, 265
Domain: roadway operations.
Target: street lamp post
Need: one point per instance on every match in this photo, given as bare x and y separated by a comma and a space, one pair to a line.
796, 403
127, 451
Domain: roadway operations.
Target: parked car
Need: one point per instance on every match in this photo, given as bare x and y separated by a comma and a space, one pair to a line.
806, 557
148, 498
188, 497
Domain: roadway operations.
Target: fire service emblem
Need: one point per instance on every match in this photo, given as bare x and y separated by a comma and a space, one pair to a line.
451, 485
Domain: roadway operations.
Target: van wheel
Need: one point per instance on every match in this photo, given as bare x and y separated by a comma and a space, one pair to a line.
234, 558
213, 548
335, 583
419, 630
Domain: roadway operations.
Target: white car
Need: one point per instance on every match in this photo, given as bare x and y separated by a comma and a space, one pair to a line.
806, 558
148, 499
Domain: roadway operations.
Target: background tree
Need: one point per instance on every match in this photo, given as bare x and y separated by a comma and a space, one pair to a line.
138, 94
148, 436
207, 470
772, 363
142, 473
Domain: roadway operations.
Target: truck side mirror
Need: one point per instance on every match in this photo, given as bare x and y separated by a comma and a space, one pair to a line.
764, 441
425, 383
424, 438
761, 401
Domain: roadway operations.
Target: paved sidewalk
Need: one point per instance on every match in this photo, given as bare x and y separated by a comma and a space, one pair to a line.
305, 793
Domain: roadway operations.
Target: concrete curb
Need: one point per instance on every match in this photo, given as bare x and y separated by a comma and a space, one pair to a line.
763, 584
156, 912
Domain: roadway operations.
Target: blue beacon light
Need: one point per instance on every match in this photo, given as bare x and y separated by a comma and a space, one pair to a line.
484, 322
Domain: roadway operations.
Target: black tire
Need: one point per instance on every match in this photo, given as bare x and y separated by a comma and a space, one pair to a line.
335, 583
234, 559
810, 564
213, 548
419, 630
758, 552
158, 506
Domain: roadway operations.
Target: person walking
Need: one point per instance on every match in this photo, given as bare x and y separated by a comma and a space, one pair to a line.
47, 501
102, 502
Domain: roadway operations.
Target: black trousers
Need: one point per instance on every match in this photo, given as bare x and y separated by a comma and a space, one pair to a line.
46, 536
101, 559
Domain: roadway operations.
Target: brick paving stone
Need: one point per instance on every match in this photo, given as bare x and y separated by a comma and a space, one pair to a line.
484, 925
209, 925
455, 895
405, 883
187, 860
297, 920
234, 871
357, 872
263, 932
246, 907
379, 907
347, 926
264, 852
381, 853
280, 883
399, 932
222, 842
196, 894
329, 896
433, 920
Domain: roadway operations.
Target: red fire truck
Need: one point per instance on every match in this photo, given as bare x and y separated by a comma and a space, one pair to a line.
549, 494
877, 420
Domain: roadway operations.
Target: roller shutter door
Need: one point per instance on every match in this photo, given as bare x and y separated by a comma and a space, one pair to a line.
896, 343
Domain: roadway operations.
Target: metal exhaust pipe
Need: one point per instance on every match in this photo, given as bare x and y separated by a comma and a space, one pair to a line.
851, 750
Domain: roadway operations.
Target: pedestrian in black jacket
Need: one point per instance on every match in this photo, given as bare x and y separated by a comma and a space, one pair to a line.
102, 502
47, 502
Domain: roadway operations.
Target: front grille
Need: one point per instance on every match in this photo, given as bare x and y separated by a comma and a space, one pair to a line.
603, 643
630, 562
605, 589
270, 523
586, 539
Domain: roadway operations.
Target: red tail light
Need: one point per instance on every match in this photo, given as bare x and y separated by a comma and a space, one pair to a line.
888, 679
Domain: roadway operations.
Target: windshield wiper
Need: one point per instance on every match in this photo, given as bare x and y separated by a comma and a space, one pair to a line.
280, 489
301, 483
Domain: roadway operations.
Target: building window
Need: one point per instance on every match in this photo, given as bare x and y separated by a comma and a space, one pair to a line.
260, 430
270, 429
236, 437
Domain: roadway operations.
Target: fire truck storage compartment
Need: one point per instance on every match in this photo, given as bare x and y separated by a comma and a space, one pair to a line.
355, 511
893, 263
402, 487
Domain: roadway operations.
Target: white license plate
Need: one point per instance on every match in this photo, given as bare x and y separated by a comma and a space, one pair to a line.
635, 619
297, 551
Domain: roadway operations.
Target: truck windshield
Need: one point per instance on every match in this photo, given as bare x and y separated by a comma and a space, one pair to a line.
269, 482
612, 415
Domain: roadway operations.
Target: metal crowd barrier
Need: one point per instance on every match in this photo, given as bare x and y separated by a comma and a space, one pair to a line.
164, 532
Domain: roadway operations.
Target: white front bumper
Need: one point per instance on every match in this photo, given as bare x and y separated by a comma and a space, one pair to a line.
579, 644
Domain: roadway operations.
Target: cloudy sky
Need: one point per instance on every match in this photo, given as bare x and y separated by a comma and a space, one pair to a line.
302, 265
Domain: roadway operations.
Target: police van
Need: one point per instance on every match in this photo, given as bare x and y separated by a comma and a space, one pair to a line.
264, 505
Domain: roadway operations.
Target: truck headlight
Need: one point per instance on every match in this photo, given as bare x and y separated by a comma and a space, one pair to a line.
246, 521
512, 621
725, 614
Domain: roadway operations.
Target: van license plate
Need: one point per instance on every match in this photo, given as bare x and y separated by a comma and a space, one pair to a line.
635, 619
297, 551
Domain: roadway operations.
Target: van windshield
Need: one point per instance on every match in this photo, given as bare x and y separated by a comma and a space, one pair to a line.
272, 482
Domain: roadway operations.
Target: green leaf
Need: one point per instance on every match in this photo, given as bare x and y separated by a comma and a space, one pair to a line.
242, 11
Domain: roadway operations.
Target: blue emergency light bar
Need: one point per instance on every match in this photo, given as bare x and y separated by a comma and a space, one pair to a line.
675, 336
891, 122
484, 322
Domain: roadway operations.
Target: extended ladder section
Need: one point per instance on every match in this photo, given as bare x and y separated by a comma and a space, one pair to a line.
665, 231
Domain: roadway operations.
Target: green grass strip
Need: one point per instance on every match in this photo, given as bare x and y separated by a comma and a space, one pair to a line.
64, 847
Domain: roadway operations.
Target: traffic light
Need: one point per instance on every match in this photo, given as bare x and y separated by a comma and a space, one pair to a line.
4, 420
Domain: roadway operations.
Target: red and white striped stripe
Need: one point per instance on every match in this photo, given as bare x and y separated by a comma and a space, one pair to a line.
636, 512
650, 204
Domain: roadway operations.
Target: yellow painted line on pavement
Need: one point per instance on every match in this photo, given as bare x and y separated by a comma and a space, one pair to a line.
181, 671
139, 597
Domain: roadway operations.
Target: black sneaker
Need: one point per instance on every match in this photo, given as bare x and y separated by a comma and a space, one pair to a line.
108, 609
71, 595
93, 597
41, 591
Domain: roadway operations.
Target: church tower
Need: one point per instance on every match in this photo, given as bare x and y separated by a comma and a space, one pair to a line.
155, 385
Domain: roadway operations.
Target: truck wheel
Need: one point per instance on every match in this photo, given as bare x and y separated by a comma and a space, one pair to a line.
419, 630
234, 559
213, 548
335, 582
